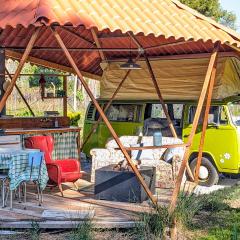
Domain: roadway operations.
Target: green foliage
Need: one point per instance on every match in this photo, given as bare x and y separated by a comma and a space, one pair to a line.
211, 213
212, 8
187, 208
34, 80
80, 96
34, 231
74, 118
152, 225
23, 113
222, 234
83, 231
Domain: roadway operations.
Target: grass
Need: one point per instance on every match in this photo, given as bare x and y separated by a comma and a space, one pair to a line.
215, 216
34, 232
82, 231
211, 214
152, 225
205, 217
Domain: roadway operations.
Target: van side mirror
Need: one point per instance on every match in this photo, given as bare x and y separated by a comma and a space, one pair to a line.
213, 124
211, 121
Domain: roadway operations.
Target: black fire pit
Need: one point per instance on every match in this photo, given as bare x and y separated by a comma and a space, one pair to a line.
123, 186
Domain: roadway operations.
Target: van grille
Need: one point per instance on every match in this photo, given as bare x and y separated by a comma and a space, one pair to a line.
90, 112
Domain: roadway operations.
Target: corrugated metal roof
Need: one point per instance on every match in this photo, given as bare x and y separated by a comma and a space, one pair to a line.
154, 22
168, 18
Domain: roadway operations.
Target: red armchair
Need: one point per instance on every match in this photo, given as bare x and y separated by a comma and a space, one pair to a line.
59, 171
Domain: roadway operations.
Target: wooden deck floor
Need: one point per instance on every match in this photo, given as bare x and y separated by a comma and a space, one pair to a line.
65, 212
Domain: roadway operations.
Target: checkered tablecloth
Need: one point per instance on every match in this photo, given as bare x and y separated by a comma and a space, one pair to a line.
65, 145
19, 169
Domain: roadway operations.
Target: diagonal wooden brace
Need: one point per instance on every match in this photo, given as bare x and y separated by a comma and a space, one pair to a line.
20, 93
170, 124
19, 68
194, 127
205, 122
108, 104
102, 114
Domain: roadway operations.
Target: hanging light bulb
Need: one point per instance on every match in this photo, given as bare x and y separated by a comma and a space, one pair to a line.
130, 65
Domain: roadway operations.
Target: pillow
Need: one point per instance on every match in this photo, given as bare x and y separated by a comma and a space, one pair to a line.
170, 152
142, 154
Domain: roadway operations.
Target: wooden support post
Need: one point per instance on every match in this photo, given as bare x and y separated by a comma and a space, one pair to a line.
205, 121
170, 124
19, 68
108, 104
108, 124
95, 37
65, 96
20, 93
194, 127
2, 77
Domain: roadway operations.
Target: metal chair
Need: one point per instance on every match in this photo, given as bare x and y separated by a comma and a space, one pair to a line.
59, 171
34, 161
3, 181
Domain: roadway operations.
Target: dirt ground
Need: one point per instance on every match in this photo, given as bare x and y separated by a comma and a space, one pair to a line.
58, 235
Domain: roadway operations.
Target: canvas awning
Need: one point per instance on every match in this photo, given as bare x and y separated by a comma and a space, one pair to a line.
180, 79
153, 22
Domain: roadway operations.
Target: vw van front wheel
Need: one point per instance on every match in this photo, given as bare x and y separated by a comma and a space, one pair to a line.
208, 174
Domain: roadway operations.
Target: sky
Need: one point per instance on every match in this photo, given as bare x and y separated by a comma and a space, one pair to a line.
234, 6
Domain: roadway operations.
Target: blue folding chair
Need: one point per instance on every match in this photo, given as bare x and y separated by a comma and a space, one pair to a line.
4, 180
34, 162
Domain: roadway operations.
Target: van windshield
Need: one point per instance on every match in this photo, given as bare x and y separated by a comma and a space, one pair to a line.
234, 109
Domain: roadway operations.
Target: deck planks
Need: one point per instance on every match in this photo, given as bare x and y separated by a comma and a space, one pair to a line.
62, 212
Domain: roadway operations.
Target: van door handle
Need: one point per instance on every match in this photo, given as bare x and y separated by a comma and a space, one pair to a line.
186, 135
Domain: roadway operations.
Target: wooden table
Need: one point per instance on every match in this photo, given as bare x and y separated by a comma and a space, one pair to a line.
44, 131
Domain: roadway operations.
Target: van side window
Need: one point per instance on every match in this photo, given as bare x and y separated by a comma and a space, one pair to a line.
175, 111
157, 111
90, 112
223, 117
121, 112
178, 111
216, 115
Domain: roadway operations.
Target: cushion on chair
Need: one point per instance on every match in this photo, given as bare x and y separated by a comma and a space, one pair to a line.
68, 165
142, 154
70, 176
171, 152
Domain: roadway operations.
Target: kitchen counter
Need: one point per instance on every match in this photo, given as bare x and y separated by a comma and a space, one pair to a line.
17, 131
66, 139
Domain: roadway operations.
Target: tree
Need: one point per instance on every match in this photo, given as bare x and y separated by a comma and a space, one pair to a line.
34, 80
212, 8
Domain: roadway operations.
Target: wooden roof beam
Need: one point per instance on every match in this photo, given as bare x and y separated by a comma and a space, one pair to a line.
181, 56
77, 35
22, 61
44, 63
96, 39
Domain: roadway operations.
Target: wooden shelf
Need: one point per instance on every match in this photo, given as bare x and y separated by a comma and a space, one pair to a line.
53, 97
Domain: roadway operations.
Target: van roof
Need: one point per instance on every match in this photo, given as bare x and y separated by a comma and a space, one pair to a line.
214, 101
